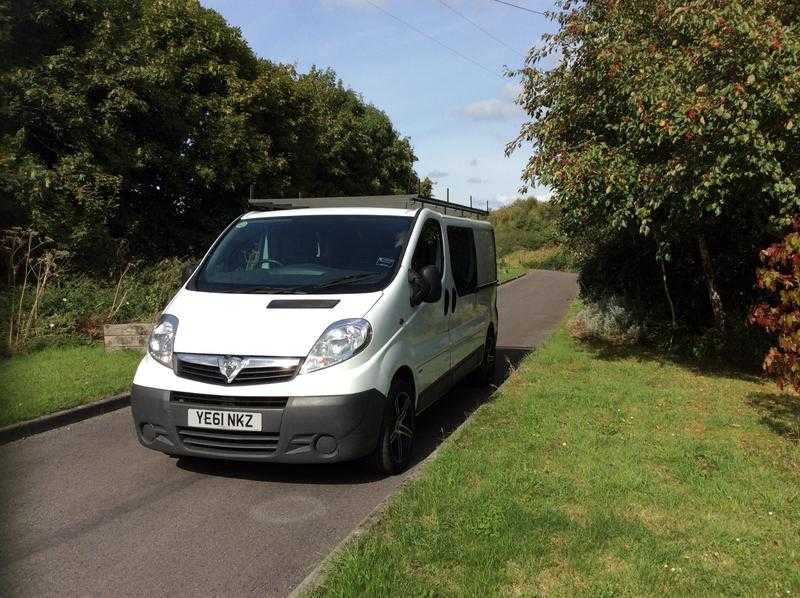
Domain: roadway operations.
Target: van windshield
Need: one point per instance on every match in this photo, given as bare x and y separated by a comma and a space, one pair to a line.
306, 255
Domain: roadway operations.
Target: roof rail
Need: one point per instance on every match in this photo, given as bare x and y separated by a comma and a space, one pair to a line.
370, 201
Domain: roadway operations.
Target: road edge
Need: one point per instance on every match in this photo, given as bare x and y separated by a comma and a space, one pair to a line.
59, 419
513, 278
321, 571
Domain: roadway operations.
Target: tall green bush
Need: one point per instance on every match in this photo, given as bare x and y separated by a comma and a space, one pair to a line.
525, 224
669, 131
134, 128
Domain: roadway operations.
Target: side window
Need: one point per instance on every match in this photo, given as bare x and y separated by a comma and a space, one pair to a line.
429, 250
462, 259
487, 262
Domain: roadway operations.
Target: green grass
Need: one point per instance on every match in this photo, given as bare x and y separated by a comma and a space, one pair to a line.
510, 272
552, 257
61, 377
596, 472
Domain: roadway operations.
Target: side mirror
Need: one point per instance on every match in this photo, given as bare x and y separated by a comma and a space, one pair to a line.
426, 286
187, 272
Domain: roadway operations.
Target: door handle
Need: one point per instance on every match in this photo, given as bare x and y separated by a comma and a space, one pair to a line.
455, 296
446, 300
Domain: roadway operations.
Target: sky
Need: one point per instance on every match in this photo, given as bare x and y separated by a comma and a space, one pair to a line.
457, 108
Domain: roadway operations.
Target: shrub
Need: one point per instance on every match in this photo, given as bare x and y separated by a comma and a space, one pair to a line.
33, 264
780, 314
524, 224
554, 257
76, 305
672, 127
607, 320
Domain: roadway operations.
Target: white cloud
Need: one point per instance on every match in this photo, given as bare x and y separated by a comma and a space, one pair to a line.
437, 174
351, 3
475, 180
473, 162
493, 109
505, 198
502, 199
512, 90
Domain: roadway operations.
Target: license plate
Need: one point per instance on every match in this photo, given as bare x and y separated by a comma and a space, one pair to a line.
224, 420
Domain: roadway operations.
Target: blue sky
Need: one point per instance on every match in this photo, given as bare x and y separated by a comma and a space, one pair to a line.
458, 115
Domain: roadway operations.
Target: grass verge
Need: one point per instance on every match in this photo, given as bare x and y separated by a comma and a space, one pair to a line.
57, 378
505, 274
596, 472
545, 258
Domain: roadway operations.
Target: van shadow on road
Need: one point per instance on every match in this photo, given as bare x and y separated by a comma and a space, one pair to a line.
433, 426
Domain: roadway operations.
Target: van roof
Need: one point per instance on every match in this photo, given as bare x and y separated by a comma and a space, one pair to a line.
410, 213
364, 204
463, 221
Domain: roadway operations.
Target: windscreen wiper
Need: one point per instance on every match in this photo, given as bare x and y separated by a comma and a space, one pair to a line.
349, 278
267, 290
302, 290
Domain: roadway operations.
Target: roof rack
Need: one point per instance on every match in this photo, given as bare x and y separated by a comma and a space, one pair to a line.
370, 201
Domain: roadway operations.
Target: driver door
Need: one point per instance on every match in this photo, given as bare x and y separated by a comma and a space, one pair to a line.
428, 331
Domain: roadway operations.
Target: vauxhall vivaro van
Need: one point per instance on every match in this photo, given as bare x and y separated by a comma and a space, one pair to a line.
314, 335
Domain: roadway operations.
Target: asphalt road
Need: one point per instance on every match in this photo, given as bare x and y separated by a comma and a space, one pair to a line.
88, 511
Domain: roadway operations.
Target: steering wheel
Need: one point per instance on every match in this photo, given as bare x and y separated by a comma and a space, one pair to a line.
269, 260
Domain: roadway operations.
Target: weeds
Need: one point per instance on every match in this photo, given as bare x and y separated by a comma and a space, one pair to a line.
607, 320
47, 303
32, 266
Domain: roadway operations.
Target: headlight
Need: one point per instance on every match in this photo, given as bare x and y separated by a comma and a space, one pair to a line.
162, 340
340, 341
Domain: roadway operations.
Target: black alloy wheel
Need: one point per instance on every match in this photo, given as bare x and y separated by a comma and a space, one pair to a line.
484, 375
395, 446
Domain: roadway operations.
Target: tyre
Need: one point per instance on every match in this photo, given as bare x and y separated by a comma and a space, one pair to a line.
396, 439
484, 375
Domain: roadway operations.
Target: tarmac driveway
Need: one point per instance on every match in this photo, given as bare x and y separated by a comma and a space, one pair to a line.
88, 511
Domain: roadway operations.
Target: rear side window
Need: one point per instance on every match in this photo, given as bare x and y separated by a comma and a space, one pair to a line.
429, 250
463, 259
487, 261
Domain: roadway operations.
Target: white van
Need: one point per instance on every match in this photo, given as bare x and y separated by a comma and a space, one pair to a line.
318, 335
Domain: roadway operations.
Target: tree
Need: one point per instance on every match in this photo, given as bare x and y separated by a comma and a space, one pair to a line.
123, 120
526, 223
332, 142
426, 187
780, 315
137, 126
670, 123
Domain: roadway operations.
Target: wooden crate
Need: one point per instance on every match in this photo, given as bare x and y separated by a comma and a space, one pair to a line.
127, 336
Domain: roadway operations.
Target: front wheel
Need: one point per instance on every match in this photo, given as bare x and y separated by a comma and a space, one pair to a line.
484, 375
396, 439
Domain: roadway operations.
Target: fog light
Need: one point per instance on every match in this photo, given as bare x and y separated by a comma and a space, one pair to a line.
148, 432
325, 445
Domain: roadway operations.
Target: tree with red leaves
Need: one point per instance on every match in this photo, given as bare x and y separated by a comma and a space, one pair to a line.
780, 276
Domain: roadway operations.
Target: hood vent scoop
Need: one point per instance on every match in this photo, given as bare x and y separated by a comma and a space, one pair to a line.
302, 303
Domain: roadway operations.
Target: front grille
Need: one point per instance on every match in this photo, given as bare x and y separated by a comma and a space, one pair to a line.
205, 369
237, 443
223, 401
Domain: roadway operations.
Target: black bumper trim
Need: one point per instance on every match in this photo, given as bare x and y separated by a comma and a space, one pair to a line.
353, 421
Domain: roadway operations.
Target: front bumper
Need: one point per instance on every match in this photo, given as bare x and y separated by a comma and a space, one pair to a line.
304, 430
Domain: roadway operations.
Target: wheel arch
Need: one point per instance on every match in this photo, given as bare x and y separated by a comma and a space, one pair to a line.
405, 373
